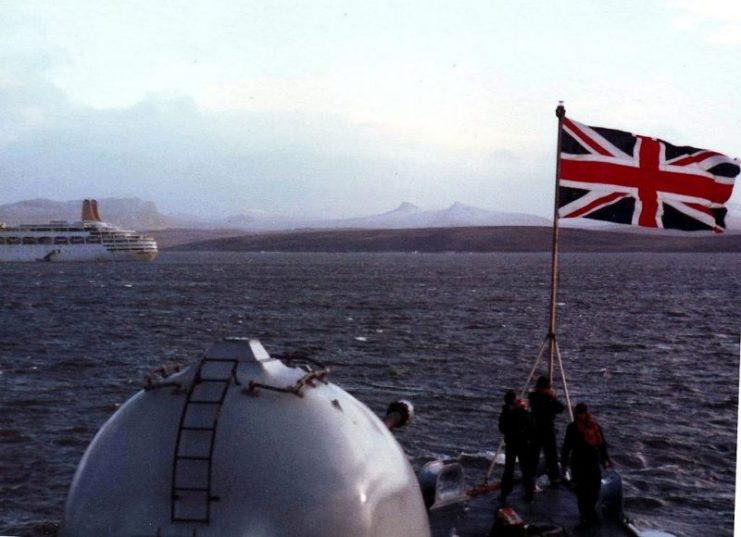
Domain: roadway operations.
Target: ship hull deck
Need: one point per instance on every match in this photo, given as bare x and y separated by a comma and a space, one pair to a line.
553, 507
76, 252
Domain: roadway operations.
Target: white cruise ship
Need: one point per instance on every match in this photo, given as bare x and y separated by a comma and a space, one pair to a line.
90, 239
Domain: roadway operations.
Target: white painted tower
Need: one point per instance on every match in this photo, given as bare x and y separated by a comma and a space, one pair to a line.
242, 445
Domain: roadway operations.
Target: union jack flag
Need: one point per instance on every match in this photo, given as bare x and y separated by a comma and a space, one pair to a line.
612, 175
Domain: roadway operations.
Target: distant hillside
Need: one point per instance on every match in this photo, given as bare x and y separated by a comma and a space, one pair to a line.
173, 237
144, 215
134, 213
468, 239
125, 212
409, 216
405, 216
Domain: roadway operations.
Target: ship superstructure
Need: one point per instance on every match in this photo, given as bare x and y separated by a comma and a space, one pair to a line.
89, 239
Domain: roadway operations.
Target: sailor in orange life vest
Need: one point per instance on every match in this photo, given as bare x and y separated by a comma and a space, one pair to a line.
585, 452
515, 423
544, 407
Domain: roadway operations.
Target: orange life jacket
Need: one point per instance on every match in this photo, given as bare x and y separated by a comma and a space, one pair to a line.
589, 429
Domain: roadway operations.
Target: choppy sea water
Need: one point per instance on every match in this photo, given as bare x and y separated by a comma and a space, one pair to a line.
650, 341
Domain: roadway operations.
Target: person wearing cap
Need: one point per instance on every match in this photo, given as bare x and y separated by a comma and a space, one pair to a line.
545, 407
585, 452
515, 423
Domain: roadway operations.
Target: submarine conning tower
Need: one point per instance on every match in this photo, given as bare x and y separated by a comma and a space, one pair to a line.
244, 445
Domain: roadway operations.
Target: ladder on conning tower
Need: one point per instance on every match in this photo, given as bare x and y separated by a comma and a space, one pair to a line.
194, 448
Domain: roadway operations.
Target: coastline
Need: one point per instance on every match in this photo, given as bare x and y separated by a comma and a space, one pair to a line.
454, 239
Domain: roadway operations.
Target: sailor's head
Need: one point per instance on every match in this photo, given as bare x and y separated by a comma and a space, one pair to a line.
543, 383
581, 408
509, 397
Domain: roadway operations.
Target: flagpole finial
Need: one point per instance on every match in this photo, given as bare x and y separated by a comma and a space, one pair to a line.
560, 110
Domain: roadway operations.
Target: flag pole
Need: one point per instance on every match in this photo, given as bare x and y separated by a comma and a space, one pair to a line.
552, 345
550, 339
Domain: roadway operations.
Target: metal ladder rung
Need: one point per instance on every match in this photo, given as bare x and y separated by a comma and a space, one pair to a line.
216, 401
213, 380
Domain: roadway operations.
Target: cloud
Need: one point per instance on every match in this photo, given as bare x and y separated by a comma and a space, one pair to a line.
187, 159
312, 145
449, 107
248, 108
27, 101
718, 20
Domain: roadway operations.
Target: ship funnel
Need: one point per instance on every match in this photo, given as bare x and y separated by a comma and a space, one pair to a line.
94, 207
87, 211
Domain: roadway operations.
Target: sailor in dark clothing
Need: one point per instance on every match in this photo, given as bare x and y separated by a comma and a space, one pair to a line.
544, 407
585, 452
515, 423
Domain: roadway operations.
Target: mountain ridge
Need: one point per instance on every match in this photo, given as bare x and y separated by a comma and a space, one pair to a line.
125, 212
138, 214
